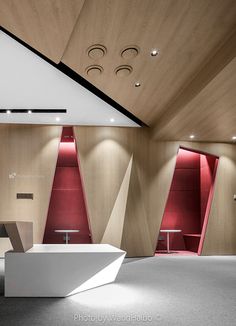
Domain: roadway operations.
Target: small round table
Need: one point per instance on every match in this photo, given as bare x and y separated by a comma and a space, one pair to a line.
168, 237
66, 232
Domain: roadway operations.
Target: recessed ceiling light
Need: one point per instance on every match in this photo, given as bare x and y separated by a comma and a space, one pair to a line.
234, 137
8, 111
137, 84
29, 111
191, 136
112, 120
58, 118
154, 52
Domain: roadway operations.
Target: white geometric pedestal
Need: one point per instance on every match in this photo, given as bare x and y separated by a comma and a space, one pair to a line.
60, 270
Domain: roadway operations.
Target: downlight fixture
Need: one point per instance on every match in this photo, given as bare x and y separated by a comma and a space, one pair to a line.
155, 52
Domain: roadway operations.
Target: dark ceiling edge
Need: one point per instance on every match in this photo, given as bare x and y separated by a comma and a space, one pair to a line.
79, 79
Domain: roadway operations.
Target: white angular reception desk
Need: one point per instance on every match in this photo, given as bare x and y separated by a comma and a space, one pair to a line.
60, 270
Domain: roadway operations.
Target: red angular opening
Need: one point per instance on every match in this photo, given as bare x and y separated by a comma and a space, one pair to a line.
189, 200
67, 209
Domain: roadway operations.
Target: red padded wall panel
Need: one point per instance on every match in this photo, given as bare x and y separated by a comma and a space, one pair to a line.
67, 208
67, 155
67, 178
183, 205
189, 200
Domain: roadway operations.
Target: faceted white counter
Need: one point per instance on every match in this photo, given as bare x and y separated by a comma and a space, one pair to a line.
60, 270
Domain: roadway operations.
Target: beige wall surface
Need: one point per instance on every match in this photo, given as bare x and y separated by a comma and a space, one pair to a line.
27, 165
126, 177
105, 154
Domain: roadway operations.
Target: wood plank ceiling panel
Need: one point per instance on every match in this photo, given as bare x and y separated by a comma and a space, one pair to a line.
187, 33
45, 25
211, 115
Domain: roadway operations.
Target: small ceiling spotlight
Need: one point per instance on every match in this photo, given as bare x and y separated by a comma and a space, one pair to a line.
137, 84
234, 138
154, 52
29, 111
8, 111
58, 118
191, 136
112, 120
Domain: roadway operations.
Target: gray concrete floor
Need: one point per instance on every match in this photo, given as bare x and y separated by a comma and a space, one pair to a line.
152, 291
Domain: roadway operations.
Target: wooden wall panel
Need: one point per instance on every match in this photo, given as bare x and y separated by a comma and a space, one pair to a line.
136, 236
45, 25
104, 154
161, 169
28, 160
114, 229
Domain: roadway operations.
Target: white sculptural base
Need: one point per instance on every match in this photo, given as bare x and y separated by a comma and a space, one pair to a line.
60, 270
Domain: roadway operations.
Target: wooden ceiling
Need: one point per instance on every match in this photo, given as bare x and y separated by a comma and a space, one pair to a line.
45, 25
210, 116
180, 87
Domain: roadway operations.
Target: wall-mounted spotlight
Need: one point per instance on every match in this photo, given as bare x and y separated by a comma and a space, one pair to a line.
191, 136
112, 120
137, 84
234, 138
58, 118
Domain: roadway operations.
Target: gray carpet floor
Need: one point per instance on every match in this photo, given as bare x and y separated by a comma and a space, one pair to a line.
152, 291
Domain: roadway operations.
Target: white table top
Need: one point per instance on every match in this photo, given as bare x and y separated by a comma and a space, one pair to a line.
72, 248
169, 231
66, 231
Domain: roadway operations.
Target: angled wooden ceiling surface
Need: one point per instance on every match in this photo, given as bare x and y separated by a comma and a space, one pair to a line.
180, 87
210, 116
46, 25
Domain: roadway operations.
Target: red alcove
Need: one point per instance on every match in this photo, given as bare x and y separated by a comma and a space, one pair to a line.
189, 201
67, 209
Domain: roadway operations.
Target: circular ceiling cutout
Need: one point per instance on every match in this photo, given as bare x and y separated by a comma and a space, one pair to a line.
94, 70
96, 51
123, 71
129, 52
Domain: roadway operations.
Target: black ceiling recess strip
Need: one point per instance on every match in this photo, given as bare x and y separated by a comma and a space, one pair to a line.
34, 110
79, 79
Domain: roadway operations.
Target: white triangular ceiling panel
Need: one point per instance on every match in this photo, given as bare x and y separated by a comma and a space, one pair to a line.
29, 82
